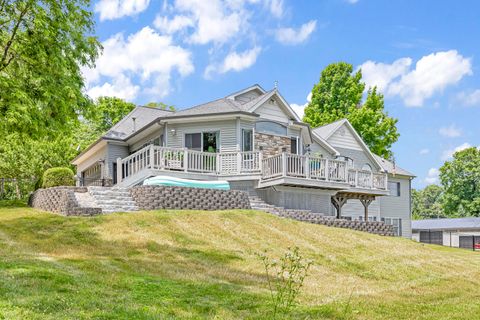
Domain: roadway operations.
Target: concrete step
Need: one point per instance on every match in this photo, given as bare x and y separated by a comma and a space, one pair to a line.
113, 199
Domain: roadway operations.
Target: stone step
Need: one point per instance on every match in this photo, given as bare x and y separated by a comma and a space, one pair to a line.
113, 199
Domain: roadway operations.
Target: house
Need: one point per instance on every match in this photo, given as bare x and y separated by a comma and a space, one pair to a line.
253, 139
457, 232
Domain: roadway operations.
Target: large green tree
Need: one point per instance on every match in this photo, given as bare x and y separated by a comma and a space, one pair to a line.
338, 94
460, 178
43, 45
427, 203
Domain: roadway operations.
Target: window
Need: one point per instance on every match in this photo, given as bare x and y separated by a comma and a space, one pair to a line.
247, 140
396, 223
394, 188
193, 141
367, 167
270, 127
210, 141
294, 145
370, 218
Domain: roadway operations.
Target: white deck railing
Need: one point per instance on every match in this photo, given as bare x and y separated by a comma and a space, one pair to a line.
247, 163
297, 166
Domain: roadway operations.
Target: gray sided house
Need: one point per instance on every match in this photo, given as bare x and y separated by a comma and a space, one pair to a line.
253, 139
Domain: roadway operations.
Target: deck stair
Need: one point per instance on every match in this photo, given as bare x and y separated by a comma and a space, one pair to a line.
258, 204
112, 199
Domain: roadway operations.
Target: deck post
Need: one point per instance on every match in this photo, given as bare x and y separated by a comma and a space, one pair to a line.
327, 170
371, 180
239, 162
385, 187
366, 203
260, 162
152, 156
185, 160
119, 170
284, 164
307, 166
217, 163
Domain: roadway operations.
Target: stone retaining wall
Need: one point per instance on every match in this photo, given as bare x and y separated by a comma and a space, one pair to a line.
164, 197
375, 227
61, 200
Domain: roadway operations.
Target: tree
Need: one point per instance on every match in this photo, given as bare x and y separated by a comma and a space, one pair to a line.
43, 45
160, 105
377, 129
427, 203
108, 111
338, 95
460, 178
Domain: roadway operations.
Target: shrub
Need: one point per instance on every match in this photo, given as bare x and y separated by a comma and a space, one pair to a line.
285, 279
55, 177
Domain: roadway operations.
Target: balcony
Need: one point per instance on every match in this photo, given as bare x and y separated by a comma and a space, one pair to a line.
303, 169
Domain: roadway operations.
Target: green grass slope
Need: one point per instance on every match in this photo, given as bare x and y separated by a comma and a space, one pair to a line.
203, 265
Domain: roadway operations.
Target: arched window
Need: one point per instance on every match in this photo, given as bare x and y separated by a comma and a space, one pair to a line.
367, 167
271, 127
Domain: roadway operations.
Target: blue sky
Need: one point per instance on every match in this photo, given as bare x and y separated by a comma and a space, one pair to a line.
422, 55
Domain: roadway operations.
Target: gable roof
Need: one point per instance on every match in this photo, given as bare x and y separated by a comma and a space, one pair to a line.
392, 168
328, 130
259, 101
142, 115
255, 86
439, 224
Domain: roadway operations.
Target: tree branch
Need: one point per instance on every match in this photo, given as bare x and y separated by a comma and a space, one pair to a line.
4, 62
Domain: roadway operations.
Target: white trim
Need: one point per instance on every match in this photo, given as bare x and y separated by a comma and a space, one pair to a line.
255, 86
282, 100
324, 144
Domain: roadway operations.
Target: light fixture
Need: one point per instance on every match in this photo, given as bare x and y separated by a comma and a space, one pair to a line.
174, 132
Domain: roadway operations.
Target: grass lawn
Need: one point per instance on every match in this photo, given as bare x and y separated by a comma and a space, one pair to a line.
203, 265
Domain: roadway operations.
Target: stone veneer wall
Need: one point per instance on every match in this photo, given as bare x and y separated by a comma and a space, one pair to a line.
375, 227
61, 200
271, 144
165, 197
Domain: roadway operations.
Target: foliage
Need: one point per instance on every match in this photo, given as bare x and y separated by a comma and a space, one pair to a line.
59, 176
285, 278
43, 45
161, 105
376, 128
108, 111
427, 203
338, 95
460, 179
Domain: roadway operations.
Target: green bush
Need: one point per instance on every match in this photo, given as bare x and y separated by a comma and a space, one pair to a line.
55, 177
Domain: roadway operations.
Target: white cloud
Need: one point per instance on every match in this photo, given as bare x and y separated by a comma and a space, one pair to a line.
300, 108
424, 151
114, 9
145, 55
121, 87
215, 21
470, 99
290, 36
451, 131
448, 154
276, 8
170, 26
234, 61
432, 176
431, 75
381, 74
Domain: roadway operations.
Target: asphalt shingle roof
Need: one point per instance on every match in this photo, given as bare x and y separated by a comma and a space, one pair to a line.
390, 167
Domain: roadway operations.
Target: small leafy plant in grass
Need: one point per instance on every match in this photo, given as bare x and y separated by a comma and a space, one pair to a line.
285, 278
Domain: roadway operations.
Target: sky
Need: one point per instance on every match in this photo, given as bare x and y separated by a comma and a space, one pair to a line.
422, 55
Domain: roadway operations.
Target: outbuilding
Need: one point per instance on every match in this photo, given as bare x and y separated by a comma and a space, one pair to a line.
458, 232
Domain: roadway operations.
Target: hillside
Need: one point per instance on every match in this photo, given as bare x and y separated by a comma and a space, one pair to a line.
191, 264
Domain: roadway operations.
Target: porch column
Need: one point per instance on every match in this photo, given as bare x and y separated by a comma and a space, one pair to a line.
366, 203
119, 170
338, 201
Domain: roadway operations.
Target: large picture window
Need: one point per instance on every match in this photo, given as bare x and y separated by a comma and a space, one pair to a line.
205, 141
